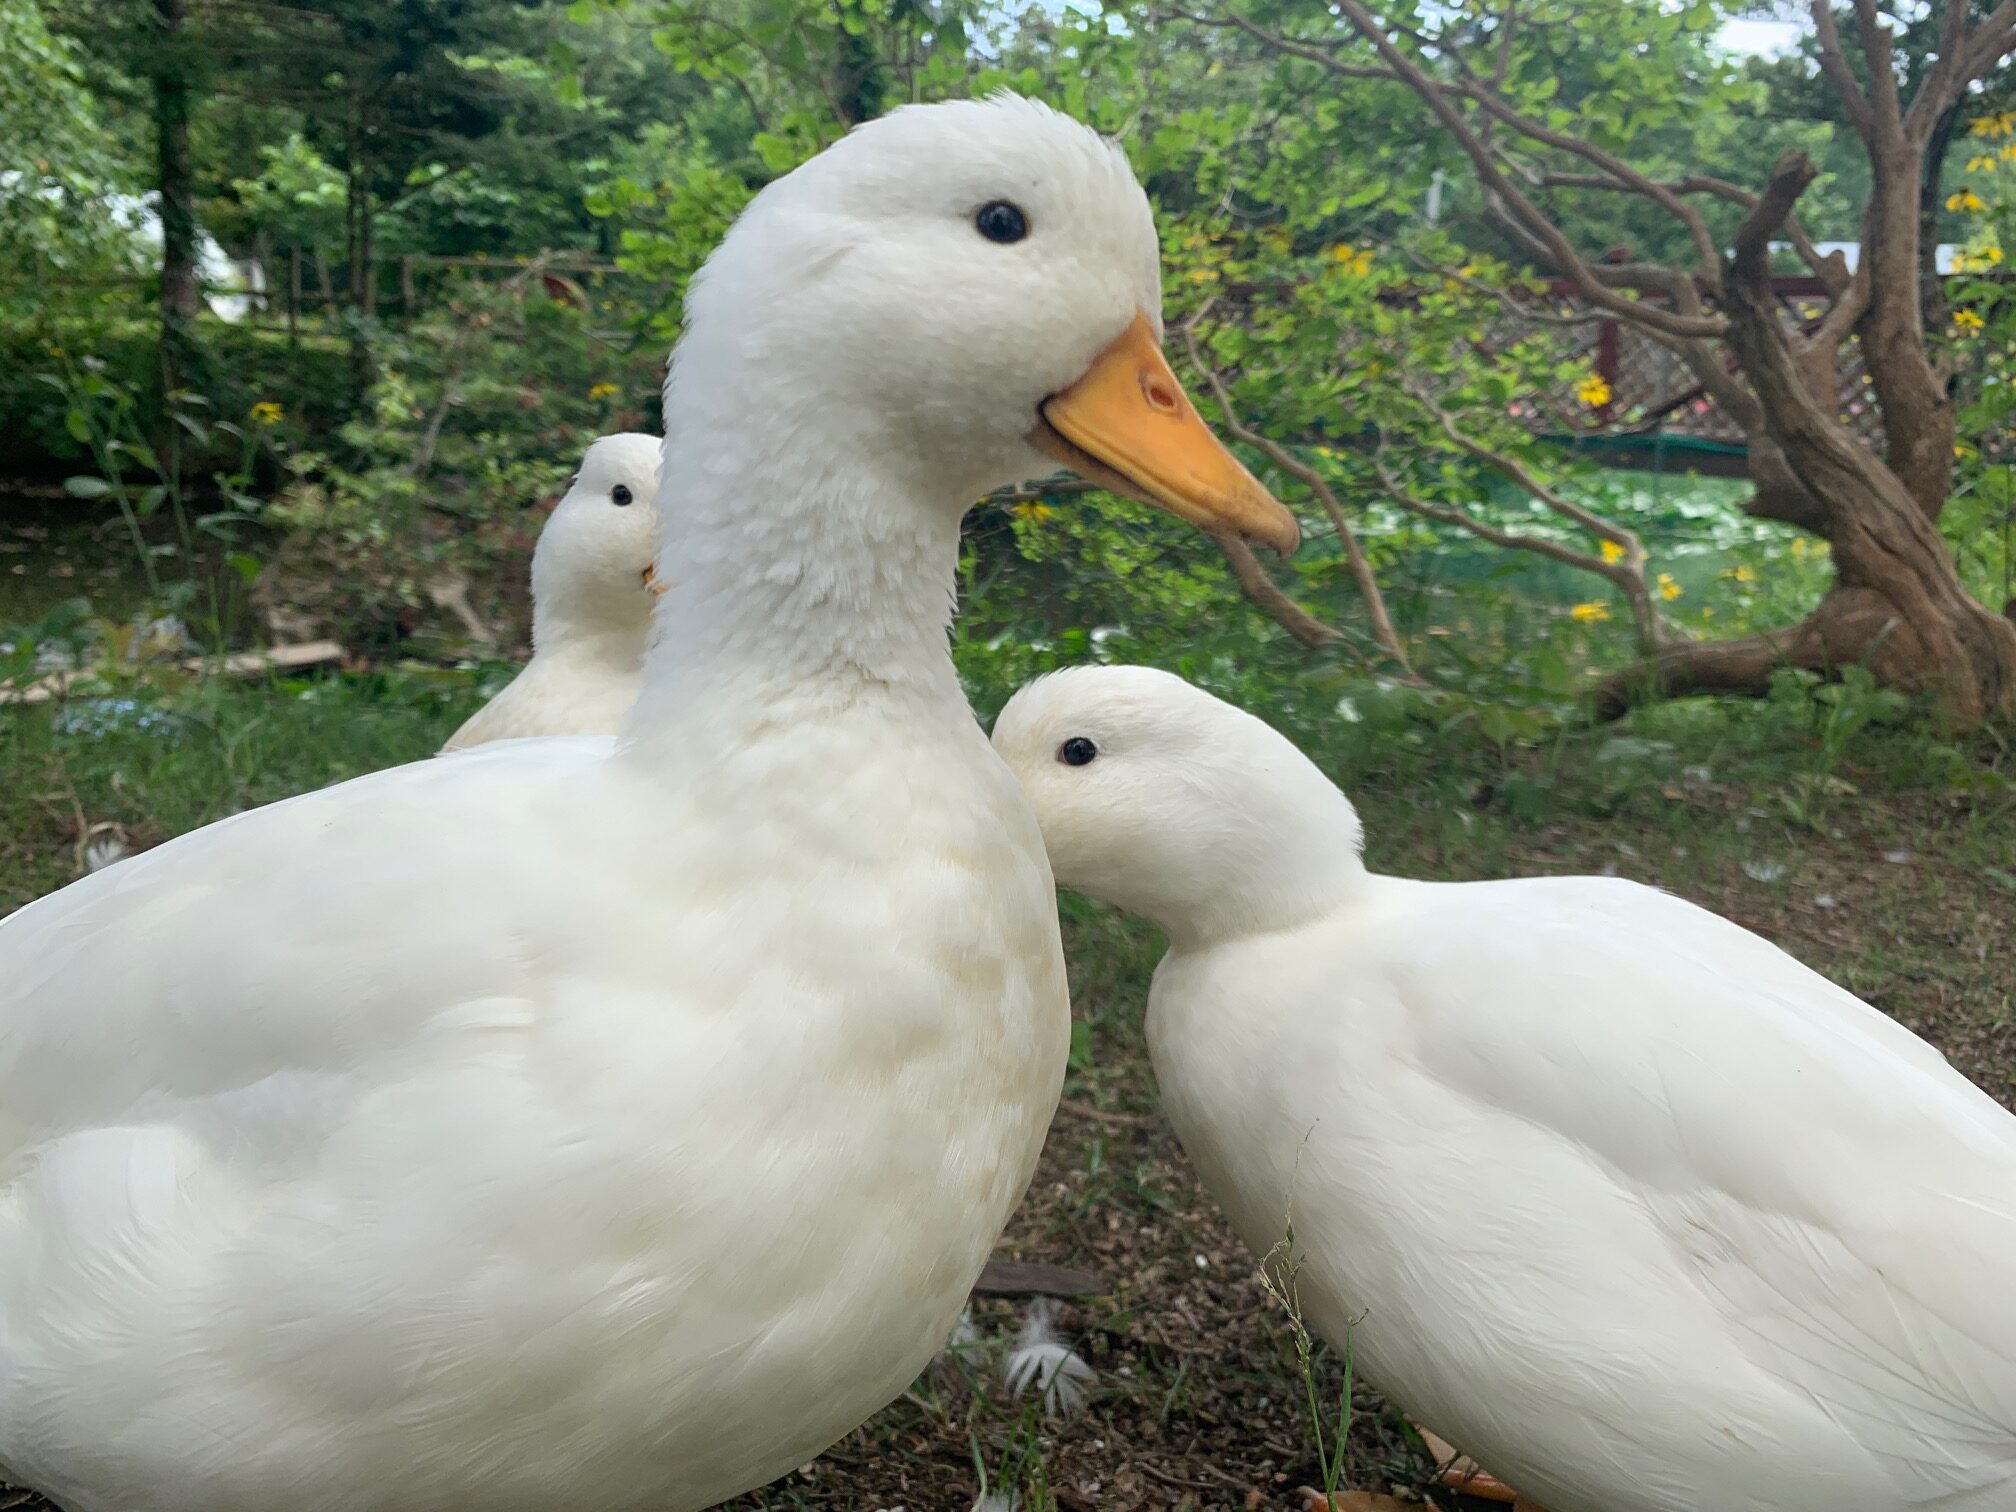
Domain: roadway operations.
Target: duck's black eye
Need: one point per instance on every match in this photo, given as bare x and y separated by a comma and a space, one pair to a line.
620, 494
1077, 751
1000, 221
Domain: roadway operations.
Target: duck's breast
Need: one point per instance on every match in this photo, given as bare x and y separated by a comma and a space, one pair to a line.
541, 1126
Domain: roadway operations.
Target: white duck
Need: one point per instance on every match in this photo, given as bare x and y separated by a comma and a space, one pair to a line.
1630, 1205
598, 1122
592, 591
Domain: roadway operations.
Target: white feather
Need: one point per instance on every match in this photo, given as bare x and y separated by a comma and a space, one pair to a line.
1042, 1360
102, 853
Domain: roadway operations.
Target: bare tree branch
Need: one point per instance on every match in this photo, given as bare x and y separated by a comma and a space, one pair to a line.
1880, 56
1627, 572
1621, 173
1511, 303
1266, 593
1944, 79
1354, 554
1651, 631
1789, 177
1848, 308
1289, 45
1831, 269
1994, 39
1560, 253
1834, 64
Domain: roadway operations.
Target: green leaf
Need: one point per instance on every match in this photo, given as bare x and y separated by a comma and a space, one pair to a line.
83, 486
77, 424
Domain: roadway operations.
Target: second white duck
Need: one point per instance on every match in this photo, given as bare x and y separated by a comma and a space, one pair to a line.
593, 588
1630, 1205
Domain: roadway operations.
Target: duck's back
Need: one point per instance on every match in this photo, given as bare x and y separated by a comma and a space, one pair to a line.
553, 695
1634, 1207
530, 1171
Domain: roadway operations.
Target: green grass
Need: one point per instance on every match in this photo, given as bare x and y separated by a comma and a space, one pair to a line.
156, 761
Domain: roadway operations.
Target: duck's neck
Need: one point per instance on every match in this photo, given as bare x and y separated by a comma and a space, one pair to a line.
1308, 874
561, 634
805, 577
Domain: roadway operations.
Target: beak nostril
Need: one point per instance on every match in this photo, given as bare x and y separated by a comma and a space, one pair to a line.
1160, 396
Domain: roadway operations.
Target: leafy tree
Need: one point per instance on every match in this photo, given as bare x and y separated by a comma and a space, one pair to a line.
51, 139
770, 83
1488, 77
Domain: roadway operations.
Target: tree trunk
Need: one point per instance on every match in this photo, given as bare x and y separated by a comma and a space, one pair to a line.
1898, 605
176, 180
357, 218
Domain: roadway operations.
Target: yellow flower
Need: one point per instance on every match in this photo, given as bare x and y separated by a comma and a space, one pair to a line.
1963, 452
603, 391
1593, 391
1352, 259
1990, 254
1035, 514
2002, 123
1981, 162
2008, 152
1612, 552
1668, 589
266, 412
1966, 199
1202, 275
1967, 320
1591, 613
1798, 546
1743, 573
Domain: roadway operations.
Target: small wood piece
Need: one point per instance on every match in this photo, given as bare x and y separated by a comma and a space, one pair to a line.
320, 653
1022, 1278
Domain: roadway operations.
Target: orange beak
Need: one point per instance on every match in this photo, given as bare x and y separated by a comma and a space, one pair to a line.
1127, 425
654, 582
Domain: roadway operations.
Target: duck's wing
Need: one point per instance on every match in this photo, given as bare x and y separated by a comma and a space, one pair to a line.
283, 940
1845, 1198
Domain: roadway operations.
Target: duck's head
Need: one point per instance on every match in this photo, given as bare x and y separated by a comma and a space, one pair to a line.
1165, 801
968, 293
593, 567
